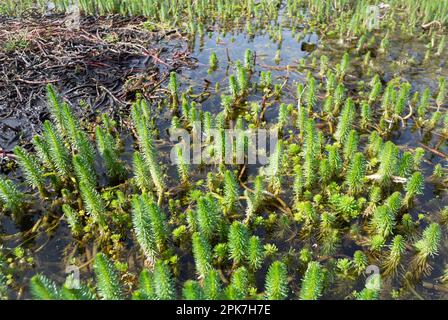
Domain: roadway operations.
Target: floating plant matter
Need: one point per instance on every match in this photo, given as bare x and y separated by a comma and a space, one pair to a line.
261, 172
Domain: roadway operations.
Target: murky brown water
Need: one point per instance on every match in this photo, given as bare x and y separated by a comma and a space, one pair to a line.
52, 249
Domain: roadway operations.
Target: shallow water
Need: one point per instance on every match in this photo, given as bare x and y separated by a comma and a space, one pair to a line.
50, 250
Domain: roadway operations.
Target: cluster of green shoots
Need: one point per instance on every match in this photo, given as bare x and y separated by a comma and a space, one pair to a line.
334, 177
339, 185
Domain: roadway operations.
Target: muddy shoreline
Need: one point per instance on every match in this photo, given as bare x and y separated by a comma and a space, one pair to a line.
102, 67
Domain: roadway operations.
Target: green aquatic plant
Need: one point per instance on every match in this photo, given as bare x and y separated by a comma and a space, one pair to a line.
163, 282
360, 262
31, 169
331, 83
254, 201
142, 175
440, 99
276, 282
227, 104
107, 278
388, 98
277, 57
265, 80
343, 66
213, 62
371, 290
93, 203
345, 121
331, 241
339, 97
72, 218
108, 150
375, 144
356, 173
438, 171
312, 283
310, 93
212, 285
319, 198
83, 172
192, 290
43, 288
59, 154
324, 171
303, 114
402, 98
344, 267
10, 197
394, 202
283, 116
351, 144
43, 152
239, 284
419, 153
80, 292
182, 165
220, 252
233, 86
202, 254
388, 162
375, 91
173, 86
70, 124
231, 191
310, 153
347, 206
242, 79
396, 251
405, 165
248, 59
55, 108
366, 115
383, 221
255, 253
3, 283
324, 61
427, 246
238, 240
423, 106
148, 149
146, 289
208, 216
306, 213
433, 121
274, 168
85, 149
299, 183
158, 221
413, 187
143, 227
327, 107
375, 195
334, 159
377, 242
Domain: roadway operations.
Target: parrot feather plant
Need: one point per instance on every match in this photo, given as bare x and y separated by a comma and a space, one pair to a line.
343, 189
107, 277
312, 282
427, 246
276, 282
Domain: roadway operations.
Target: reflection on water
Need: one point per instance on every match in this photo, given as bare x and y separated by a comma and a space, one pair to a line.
54, 247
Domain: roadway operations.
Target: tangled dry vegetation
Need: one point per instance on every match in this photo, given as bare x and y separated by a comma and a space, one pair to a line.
100, 67
357, 179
